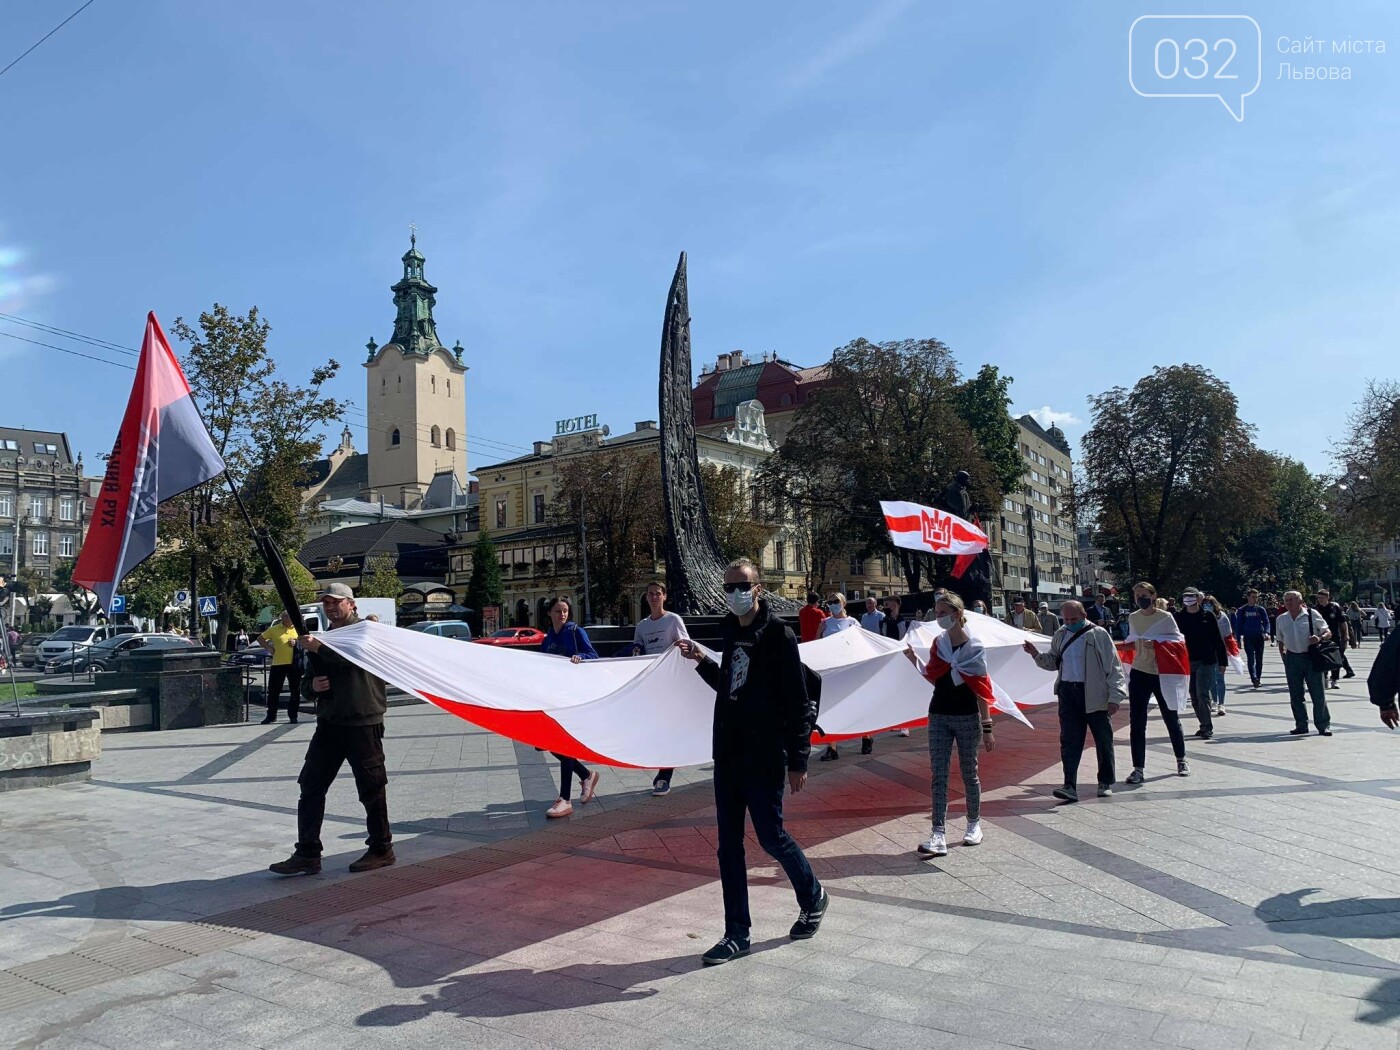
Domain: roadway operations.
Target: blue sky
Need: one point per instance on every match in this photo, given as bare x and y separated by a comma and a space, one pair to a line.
979, 173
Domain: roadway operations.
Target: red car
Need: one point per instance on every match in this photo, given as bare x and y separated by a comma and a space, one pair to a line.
513, 636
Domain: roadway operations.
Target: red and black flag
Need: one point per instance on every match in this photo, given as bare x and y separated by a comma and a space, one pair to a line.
162, 450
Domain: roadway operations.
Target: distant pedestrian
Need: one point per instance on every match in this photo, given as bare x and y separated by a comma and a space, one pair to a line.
955, 715
1297, 630
1024, 618
1096, 610
1089, 685
1253, 627
762, 726
1206, 650
654, 635
1145, 683
872, 618
1336, 618
810, 617
566, 638
1383, 619
891, 626
980, 607
1210, 605
1356, 622
1049, 622
280, 640
349, 728
838, 620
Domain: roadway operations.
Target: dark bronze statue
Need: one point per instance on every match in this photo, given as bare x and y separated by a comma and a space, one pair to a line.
694, 563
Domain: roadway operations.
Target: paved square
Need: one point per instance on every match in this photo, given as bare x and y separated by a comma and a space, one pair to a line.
1253, 904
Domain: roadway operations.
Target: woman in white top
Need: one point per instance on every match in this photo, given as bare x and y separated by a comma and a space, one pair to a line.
655, 634
837, 621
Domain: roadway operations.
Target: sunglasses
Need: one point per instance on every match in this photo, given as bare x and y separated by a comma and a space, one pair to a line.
736, 588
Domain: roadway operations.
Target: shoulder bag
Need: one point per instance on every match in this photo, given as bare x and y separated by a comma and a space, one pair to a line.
1324, 656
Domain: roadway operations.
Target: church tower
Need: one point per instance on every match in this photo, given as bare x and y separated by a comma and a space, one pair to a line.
415, 397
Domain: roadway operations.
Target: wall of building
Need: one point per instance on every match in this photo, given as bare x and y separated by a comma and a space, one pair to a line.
43, 503
423, 397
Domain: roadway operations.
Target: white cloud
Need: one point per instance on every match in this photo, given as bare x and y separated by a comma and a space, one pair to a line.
1048, 417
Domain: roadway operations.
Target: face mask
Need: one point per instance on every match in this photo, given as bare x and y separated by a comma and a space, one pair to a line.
1189, 601
1073, 625
1146, 602
1208, 607
946, 622
834, 608
740, 602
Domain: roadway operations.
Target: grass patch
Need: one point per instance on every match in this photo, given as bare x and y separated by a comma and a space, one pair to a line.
26, 689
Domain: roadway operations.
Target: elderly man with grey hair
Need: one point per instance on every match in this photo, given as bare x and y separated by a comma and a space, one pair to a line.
1090, 685
1297, 630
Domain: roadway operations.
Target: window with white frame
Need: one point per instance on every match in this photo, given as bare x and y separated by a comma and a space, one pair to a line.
7, 505
7, 544
43, 448
67, 509
40, 547
66, 545
37, 506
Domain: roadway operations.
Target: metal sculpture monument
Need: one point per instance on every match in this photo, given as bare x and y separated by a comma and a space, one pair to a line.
694, 563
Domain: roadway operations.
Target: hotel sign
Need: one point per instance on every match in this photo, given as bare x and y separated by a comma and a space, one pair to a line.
577, 425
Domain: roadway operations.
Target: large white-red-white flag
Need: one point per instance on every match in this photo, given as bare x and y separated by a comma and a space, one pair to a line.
1173, 663
930, 530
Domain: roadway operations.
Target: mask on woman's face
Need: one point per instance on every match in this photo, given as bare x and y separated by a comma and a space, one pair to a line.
946, 622
1209, 607
834, 608
740, 602
1145, 601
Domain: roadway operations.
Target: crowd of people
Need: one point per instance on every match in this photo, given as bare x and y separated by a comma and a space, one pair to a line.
766, 703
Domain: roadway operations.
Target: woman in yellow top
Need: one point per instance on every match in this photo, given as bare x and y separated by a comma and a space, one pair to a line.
1143, 684
280, 640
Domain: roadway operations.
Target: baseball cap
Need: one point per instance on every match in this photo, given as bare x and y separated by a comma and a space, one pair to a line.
335, 590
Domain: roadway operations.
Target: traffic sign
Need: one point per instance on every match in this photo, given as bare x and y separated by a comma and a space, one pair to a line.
182, 597
118, 604
208, 605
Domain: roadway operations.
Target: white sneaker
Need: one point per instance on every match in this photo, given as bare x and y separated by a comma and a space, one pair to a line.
936, 846
973, 835
904, 732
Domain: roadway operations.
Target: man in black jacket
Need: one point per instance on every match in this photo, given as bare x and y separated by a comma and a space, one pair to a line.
1384, 680
1205, 646
1336, 618
763, 726
350, 706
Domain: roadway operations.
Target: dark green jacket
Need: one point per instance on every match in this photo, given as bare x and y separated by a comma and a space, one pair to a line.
356, 697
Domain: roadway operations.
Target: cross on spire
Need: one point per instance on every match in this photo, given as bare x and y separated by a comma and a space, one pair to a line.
413, 235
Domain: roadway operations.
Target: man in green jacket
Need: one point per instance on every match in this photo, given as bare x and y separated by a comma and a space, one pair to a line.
350, 708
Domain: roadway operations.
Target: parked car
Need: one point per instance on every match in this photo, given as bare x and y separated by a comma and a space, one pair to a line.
513, 636
459, 629
102, 656
28, 655
250, 656
67, 640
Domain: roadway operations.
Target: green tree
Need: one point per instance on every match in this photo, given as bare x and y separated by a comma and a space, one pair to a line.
886, 425
81, 600
1369, 456
302, 582
266, 429
736, 515
484, 586
1173, 473
984, 403
380, 578
617, 493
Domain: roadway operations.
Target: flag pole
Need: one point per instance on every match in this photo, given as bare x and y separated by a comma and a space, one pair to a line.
272, 558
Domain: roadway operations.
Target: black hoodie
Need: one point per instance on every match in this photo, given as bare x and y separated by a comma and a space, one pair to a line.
763, 714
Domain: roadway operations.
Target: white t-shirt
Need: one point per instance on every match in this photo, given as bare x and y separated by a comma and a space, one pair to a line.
656, 636
1382, 617
831, 625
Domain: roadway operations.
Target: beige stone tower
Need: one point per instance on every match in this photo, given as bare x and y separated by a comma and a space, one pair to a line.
415, 397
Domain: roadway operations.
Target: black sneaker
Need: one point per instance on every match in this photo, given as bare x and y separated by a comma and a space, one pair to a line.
1135, 777
727, 948
1067, 793
1182, 769
660, 786
829, 755
867, 745
296, 864
1324, 732
373, 859
805, 928
1298, 731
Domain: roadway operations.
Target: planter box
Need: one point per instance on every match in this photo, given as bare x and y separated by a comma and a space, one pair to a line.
46, 748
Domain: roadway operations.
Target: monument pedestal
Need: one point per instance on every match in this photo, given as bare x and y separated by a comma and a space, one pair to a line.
185, 688
46, 748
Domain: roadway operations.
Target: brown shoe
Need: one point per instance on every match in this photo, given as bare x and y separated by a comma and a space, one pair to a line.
372, 860
296, 864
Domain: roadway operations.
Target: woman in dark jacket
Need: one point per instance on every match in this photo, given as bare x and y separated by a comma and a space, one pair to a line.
566, 638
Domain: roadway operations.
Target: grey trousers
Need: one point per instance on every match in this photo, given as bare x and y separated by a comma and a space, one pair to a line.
943, 730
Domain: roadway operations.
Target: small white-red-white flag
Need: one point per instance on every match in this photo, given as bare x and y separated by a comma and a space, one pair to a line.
921, 528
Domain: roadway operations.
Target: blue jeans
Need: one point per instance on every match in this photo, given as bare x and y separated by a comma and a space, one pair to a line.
1254, 656
1217, 688
739, 789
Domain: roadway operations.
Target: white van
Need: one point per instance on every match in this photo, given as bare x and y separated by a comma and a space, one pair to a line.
67, 640
385, 608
